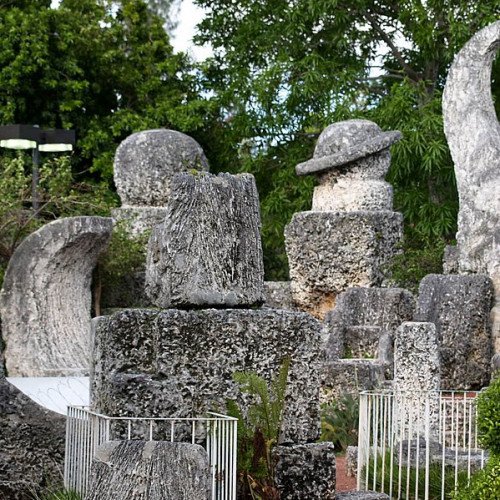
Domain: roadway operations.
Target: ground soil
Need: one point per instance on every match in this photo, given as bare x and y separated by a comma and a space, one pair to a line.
344, 482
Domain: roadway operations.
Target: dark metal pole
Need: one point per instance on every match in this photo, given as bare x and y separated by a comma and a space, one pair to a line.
34, 182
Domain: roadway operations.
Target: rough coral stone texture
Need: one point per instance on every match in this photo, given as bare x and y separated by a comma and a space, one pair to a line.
46, 299
361, 495
362, 316
460, 307
329, 252
208, 250
31, 446
152, 470
180, 363
350, 376
473, 133
351, 195
305, 471
145, 163
278, 295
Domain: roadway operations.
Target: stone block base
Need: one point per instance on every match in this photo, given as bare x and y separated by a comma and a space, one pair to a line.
331, 251
305, 471
181, 363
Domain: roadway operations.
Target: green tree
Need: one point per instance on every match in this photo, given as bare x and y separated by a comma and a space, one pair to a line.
283, 70
103, 68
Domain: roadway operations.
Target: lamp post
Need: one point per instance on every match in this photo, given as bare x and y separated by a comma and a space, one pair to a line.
32, 137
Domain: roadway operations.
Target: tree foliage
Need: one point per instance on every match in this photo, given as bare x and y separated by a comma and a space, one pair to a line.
103, 68
283, 70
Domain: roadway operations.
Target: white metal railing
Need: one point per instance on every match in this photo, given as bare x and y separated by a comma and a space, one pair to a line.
415, 445
87, 430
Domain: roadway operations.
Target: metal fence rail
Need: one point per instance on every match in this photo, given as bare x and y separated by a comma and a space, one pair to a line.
87, 430
417, 445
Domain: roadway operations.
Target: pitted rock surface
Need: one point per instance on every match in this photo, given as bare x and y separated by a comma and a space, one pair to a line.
361, 495
145, 163
180, 363
305, 471
138, 220
278, 295
208, 250
460, 307
45, 299
350, 376
329, 252
473, 133
362, 316
152, 470
31, 446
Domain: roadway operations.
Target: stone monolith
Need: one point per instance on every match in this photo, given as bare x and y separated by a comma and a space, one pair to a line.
45, 300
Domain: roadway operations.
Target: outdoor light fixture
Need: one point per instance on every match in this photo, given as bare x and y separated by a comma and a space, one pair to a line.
31, 137
19, 136
56, 140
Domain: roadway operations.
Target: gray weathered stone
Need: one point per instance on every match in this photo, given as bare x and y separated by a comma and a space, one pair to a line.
361, 495
416, 358
208, 250
329, 252
305, 471
180, 363
152, 470
450, 260
459, 306
351, 461
343, 143
145, 163
473, 133
278, 295
365, 317
417, 377
45, 299
350, 376
31, 446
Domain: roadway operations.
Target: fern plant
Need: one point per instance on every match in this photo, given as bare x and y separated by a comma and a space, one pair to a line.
259, 431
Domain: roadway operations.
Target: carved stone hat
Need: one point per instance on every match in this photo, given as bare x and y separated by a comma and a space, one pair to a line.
345, 142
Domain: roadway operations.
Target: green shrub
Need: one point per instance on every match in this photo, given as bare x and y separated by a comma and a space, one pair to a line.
484, 484
339, 421
488, 417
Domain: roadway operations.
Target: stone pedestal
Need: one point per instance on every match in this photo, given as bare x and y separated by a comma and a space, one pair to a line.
153, 470
208, 250
329, 252
460, 307
180, 363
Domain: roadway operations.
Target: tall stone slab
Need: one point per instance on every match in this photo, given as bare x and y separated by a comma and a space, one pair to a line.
417, 377
473, 133
180, 363
351, 234
152, 470
460, 307
45, 299
208, 252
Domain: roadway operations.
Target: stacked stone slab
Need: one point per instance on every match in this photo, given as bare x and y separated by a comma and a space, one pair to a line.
359, 336
459, 306
45, 300
351, 233
473, 133
179, 361
132, 470
145, 163
207, 252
